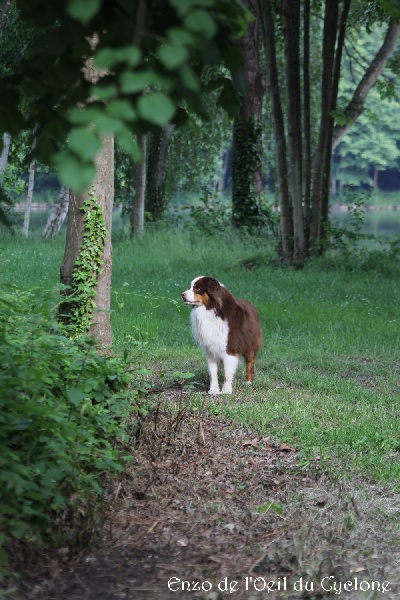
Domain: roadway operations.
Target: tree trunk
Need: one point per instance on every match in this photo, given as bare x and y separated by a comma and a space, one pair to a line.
137, 215
376, 176
101, 193
356, 104
157, 161
57, 215
101, 326
87, 263
307, 163
328, 60
291, 34
286, 227
247, 145
31, 184
335, 90
4, 155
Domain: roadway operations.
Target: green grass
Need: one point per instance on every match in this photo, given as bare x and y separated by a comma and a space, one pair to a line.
327, 379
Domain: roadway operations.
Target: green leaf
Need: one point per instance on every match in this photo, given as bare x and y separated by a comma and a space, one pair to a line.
85, 116
132, 55
133, 82
83, 11
156, 108
105, 58
201, 22
392, 7
276, 508
181, 37
73, 172
104, 92
172, 55
75, 395
189, 78
84, 142
129, 144
121, 109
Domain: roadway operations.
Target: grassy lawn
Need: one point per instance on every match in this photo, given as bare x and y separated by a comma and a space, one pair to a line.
327, 379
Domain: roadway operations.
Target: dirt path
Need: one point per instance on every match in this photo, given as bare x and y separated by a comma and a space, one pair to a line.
229, 515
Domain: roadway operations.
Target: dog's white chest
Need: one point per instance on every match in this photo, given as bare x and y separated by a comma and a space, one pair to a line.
209, 331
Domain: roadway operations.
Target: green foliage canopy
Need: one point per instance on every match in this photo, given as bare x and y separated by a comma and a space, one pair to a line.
144, 58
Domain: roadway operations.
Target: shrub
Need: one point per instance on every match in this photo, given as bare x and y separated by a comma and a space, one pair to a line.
63, 406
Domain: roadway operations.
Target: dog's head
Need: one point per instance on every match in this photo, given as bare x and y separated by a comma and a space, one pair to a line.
203, 291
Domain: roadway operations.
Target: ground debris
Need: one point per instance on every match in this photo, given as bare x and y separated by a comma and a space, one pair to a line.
228, 512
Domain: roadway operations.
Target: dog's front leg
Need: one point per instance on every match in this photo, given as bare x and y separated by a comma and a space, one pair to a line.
213, 372
230, 368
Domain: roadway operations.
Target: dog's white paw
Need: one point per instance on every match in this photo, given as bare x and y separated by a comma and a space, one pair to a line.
214, 391
226, 389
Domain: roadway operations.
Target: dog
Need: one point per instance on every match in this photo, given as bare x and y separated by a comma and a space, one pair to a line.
225, 327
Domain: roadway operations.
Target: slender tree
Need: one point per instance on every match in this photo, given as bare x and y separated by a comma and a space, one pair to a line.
291, 36
137, 214
357, 103
4, 155
286, 221
57, 216
157, 162
246, 145
29, 196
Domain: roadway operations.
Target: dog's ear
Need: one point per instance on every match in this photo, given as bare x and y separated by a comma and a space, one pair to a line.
212, 285
213, 288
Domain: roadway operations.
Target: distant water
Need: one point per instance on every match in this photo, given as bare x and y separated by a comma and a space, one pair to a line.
379, 222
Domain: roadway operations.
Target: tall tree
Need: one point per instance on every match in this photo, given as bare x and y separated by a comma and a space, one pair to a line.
57, 215
157, 162
29, 196
286, 221
137, 213
247, 186
4, 155
303, 155
86, 268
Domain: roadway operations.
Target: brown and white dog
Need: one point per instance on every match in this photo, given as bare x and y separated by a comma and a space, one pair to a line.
225, 327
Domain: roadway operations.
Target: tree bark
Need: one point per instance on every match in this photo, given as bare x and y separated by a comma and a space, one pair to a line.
328, 61
137, 215
31, 184
57, 215
102, 190
4, 13
247, 185
4, 155
307, 162
376, 177
286, 226
291, 34
104, 182
335, 90
157, 161
356, 104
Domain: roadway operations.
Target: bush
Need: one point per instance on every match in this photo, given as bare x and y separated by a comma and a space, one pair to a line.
62, 408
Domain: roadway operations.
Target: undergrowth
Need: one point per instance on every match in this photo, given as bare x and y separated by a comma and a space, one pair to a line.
64, 411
